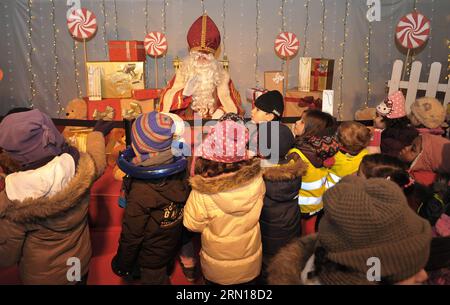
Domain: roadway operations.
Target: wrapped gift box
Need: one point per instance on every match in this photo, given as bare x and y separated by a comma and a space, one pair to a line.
95, 83
126, 50
274, 80
296, 102
118, 79
131, 108
106, 109
145, 94
321, 74
253, 93
315, 74
304, 74
376, 137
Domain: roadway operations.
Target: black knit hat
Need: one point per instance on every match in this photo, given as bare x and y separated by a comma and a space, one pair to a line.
271, 102
284, 136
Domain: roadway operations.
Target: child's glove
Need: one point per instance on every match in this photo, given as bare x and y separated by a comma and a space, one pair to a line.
118, 269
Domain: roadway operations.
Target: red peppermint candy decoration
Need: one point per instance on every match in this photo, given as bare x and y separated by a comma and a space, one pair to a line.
413, 30
82, 23
286, 44
155, 43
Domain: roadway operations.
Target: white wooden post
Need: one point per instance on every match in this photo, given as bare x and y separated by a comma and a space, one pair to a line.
413, 85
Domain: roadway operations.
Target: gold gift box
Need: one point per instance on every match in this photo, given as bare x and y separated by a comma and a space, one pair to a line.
118, 79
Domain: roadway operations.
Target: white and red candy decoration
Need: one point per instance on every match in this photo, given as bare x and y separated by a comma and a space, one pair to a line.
413, 30
155, 44
286, 44
82, 23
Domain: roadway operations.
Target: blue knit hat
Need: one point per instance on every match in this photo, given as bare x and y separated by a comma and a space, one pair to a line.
151, 133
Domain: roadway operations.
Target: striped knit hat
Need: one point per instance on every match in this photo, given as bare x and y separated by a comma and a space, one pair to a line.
151, 133
367, 218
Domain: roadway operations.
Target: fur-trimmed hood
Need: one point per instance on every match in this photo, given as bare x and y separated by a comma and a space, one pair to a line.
33, 210
286, 266
234, 193
227, 182
285, 172
283, 182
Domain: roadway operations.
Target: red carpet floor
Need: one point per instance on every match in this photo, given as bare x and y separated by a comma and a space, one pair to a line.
105, 222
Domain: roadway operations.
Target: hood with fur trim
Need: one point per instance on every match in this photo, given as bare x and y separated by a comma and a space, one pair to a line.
33, 210
285, 172
286, 266
234, 193
283, 182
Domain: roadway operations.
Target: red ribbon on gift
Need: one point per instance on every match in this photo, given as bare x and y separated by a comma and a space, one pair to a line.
307, 101
316, 73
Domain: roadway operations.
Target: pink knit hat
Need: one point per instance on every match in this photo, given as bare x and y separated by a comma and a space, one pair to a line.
226, 143
393, 107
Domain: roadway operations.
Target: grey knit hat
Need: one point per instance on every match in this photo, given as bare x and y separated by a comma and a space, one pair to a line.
366, 218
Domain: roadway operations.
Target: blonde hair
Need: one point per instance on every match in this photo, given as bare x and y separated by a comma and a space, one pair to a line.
353, 136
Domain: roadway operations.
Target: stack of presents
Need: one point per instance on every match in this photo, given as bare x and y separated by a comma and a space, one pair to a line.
315, 79
116, 88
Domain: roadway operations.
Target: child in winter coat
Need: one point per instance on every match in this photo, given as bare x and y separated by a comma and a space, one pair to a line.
419, 197
156, 192
313, 148
428, 116
225, 205
280, 215
432, 207
364, 219
353, 138
44, 206
397, 129
428, 156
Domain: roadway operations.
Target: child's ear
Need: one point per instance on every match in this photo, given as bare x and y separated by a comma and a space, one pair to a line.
270, 116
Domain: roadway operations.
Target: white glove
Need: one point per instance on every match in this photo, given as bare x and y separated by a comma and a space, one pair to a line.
217, 114
190, 87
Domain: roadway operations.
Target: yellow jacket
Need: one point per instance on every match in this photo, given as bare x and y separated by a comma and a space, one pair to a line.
345, 164
226, 210
313, 186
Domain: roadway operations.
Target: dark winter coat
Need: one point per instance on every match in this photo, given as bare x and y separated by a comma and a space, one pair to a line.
280, 215
393, 140
41, 235
152, 223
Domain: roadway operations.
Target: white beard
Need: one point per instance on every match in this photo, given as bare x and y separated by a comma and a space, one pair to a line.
208, 77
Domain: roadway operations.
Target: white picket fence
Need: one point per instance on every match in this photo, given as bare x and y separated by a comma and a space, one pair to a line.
431, 87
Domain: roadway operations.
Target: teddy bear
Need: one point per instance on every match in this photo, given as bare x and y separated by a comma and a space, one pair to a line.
365, 114
116, 144
76, 136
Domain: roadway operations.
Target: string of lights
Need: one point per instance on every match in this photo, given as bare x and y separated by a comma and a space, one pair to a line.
75, 65
116, 23
305, 31
164, 29
322, 28
31, 49
8, 43
146, 17
240, 57
390, 34
56, 62
223, 28
367, 62
256, 54
105, 44
341, 59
